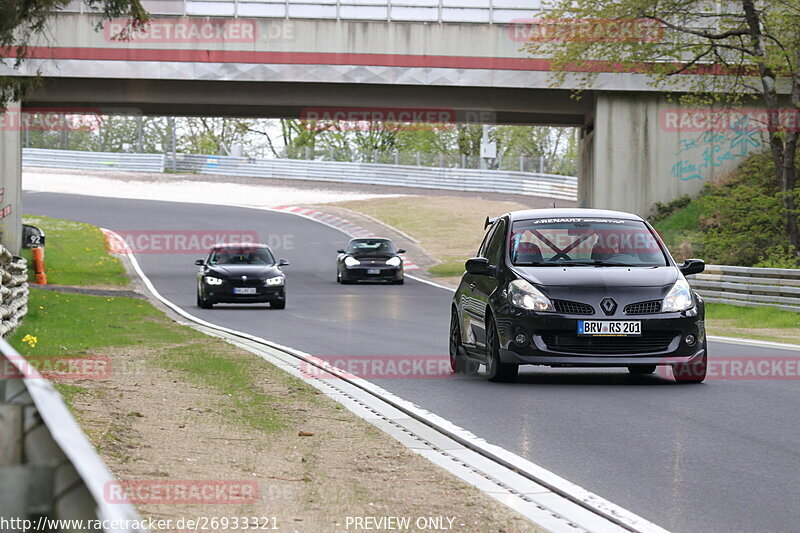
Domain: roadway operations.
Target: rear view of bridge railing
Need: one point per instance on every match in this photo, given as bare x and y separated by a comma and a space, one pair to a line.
453, 11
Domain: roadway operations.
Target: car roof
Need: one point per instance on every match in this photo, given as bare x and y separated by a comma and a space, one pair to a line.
370, 239
575, 212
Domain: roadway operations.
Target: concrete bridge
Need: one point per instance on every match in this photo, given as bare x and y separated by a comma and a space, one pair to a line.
277, 58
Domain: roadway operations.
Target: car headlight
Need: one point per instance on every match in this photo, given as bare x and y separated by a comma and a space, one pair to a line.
351, 261
679, 297
525, 296
277, 280
211, 280
394, 261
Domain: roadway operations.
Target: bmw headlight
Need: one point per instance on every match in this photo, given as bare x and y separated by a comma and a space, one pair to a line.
351, 261
679, 297
525, 296
211, 280
394, 261
277, 280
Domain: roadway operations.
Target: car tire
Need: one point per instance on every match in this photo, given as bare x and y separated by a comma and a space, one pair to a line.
398, 282
278, 304
338, 277
640, 370
691, 372
459, 363
202, 302
496, 370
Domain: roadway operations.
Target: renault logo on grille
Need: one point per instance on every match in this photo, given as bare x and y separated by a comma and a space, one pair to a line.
608, 305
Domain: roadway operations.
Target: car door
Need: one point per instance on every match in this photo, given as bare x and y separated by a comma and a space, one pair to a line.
470, 307
482, 286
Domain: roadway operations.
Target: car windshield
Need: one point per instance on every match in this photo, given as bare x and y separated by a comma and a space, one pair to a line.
371, 246
584, 241
241, 256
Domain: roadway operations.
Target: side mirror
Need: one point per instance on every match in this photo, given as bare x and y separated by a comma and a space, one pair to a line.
283, 262
692, 266
199, 262
340, 251
401, 251
478, 265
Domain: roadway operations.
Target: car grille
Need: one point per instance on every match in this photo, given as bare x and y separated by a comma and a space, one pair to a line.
249, 282
573, 308
572, 343
643, 308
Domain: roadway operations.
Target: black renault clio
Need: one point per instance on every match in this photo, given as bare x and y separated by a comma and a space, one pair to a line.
577, 288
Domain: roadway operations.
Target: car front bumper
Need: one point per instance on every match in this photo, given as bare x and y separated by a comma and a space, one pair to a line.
224, 294
373, 273
552, 340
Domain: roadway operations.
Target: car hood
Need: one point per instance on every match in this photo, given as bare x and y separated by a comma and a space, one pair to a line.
380, 258
251, 271
599, 277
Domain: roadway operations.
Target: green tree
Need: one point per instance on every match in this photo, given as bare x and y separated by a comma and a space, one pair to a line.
753, 44
21, 20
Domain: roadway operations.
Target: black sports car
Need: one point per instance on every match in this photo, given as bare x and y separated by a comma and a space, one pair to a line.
241, 273
370, 260
576, 287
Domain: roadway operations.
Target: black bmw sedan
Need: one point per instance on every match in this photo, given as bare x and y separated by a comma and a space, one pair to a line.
241, 273
576, 288
370, 260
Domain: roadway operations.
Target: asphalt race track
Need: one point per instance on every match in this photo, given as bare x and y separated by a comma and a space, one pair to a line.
723, 456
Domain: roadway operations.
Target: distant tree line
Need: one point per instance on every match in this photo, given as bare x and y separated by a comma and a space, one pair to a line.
529, 148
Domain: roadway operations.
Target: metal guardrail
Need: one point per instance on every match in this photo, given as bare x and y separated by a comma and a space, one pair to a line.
455, 179
471, 11
41, 157
48, 469
775, 287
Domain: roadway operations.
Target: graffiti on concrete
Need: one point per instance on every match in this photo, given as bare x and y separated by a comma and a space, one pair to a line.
712, 149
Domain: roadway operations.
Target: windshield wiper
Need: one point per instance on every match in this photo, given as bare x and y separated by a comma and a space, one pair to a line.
598, 262
539, 264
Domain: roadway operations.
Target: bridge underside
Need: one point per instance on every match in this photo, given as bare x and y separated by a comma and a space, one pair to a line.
288, 100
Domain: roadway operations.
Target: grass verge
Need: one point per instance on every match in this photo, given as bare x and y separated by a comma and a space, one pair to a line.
77, 325
75, 254
736, 321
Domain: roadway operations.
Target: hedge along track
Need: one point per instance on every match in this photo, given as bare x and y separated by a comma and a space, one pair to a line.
541, 496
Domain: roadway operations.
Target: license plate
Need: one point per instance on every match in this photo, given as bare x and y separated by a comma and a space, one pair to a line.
244, 290
620, 328
373, 271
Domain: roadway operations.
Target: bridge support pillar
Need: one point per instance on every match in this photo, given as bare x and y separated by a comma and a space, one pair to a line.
11, 179
636, 150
